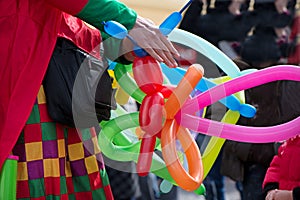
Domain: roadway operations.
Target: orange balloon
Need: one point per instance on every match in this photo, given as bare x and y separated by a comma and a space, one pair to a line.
186, 180
171, 130
184, 88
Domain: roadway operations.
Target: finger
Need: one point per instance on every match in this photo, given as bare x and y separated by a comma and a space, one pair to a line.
170, 46
161, 51
153, 45
270, 195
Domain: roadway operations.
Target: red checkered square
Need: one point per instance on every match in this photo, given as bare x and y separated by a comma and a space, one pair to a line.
108, 193
38, 198
52, 185
70, 185
84, 195
44, 115
32, 133
93, 132
64, 197
74, 136
23, 189
60, 131
95, 181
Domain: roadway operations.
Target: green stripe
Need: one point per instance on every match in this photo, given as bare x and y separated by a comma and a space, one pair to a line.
34, 117
128, 83
97, 11
104, 178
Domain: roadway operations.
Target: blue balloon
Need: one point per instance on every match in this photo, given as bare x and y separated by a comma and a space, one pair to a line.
139, 52
115, 29
168, 25
204, 84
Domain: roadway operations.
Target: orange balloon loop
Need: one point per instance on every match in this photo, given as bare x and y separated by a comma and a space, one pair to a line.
192, 179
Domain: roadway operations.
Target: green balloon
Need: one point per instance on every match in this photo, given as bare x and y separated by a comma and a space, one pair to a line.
116, 145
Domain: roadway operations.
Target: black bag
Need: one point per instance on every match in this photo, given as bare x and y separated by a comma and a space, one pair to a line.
78, 87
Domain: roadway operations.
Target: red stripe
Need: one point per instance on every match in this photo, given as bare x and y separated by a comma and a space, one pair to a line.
69, 6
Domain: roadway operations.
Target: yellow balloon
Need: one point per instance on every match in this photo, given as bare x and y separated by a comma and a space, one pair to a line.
215, 144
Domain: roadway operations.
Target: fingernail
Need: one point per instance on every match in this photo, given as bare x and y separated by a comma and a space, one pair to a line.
174, 65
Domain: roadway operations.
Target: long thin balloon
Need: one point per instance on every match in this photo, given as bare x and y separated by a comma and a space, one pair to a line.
270, 74
231, 102
241, 133
185, 6
207, 49
235, 132
168, 25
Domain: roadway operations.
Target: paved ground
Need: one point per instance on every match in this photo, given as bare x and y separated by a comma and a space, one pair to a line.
230, 193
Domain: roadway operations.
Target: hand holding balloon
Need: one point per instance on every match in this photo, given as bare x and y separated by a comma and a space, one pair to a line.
147, 36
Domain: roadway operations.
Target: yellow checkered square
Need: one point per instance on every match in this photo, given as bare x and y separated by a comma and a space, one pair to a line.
51, 167
22, 171
61, 148
91, 164
96, 145
34, 151
41, 96
76, 151
68, 169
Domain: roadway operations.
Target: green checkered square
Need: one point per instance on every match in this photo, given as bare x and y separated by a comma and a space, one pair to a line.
85, 134
52, 197
98, 194
63, 185
21, 139
72, 197
104, 177
48, 131
34, 116
81, 183
39, 187
66, 133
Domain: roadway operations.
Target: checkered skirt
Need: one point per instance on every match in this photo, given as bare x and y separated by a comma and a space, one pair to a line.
57, 162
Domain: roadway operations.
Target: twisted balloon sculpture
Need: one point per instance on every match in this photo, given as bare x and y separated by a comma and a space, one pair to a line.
168, 113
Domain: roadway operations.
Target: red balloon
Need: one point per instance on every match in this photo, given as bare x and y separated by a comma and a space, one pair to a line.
147, 74
151, 119
145, 156
151, 113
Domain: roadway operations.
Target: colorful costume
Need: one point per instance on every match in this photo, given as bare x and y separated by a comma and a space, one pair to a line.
54, 161
29, 29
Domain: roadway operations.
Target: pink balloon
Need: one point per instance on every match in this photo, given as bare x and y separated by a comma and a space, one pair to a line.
234, 132
240, 133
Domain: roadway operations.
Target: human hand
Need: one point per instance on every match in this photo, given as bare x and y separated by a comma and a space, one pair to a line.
281, 6
149, 37
235, 6
279, 195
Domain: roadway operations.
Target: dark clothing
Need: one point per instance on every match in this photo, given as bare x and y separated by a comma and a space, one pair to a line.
283, 172
217, 24
237, 154
253, 179
214, 181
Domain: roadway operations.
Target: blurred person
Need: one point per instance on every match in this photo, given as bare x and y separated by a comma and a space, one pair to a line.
224, 20
248, 162
282, 179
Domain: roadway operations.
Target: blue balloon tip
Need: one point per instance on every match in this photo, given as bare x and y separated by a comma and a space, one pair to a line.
247, 110
139, 52
115, 29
